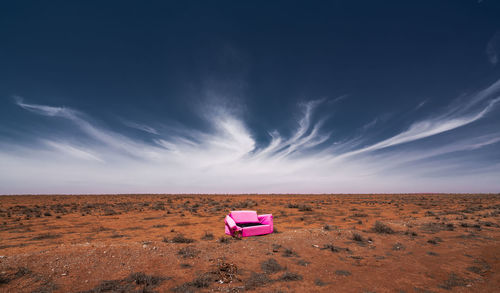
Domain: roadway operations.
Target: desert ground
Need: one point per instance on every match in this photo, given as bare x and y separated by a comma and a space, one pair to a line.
322, 243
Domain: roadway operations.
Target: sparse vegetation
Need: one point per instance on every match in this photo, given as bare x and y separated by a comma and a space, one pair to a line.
271, 266
257, 280
398, 246
305, 208
382, 228
334, 248
179, 238
435, 240
207, 236
357, 237
453, 281
289, 253
342, 273
319, 283
225, 240
135, 282
47, 236
289, 276
331, 231
188, 252
359, 215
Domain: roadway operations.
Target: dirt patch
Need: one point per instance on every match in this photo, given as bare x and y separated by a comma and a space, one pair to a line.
327, 243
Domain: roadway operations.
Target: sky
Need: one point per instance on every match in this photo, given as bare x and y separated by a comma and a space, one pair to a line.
249, 96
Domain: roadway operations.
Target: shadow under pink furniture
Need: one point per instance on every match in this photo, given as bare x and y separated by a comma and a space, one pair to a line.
248, 223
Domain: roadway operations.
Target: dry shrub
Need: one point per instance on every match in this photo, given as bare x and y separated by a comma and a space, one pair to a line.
382, 228
289, 276
208, 236
188, 252
271, 266
181, 239
257, 280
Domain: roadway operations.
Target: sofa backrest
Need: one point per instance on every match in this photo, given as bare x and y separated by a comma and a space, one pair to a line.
244, 217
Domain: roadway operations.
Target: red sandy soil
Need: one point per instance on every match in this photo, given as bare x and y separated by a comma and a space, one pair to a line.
323, 243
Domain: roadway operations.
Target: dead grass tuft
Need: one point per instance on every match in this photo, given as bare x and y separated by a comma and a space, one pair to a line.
271, 266
382, 228
289, 276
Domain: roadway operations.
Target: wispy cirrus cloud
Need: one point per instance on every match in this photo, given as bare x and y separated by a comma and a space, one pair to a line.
452, 119
72, 150
493, 48
141, 127
227, 158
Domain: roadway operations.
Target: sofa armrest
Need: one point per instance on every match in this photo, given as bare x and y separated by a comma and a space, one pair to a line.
231, 223
266, 219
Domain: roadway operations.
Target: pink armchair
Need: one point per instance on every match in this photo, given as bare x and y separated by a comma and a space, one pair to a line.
248, 223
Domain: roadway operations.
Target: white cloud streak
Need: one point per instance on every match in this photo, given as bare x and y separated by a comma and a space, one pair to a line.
493, 48
73, 151
141, 127
227, 158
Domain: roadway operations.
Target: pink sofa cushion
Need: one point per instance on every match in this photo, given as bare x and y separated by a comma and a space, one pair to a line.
244, 217
256, 230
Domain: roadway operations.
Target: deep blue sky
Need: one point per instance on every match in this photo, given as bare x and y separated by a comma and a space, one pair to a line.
249, 96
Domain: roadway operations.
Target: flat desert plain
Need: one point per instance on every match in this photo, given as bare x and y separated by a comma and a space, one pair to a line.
322, 243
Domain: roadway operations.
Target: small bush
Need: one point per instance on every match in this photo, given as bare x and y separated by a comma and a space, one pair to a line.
342, 273
271, 266
319, 283
382, 228
256, 280
476, 270
188, 252
46, 236
110, 212
334, 248
411, 233
224, 240
22, 271
305, 208
357, 237
289, 276
289, 253
202, 281
143, 279
434, 240
302, 262
359, 215
135, 282
453, 281
398, 246
181, 239
208, 236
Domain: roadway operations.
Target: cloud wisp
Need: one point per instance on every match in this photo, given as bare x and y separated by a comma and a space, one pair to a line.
493, 48
229, 159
